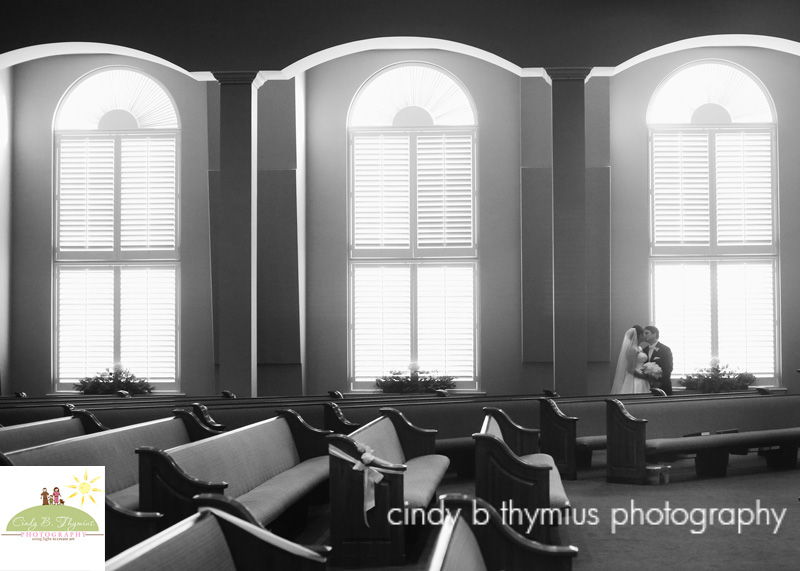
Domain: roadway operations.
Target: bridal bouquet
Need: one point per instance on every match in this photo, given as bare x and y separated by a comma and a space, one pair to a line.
652, 369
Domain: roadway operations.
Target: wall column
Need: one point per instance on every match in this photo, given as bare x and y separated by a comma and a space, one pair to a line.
570, 335
234, 219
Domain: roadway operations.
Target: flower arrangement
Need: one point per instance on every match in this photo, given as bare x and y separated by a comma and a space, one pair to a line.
413, 381
652, 369
718, 378
113, 379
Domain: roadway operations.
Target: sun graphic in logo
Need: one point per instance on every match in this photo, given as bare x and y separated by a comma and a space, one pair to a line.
85, 487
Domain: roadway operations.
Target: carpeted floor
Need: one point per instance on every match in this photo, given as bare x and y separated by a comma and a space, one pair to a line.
673, 528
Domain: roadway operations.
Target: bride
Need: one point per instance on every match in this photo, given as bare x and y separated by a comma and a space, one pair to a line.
631, 358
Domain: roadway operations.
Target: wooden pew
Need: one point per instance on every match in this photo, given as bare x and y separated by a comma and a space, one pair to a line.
212, 539
378, 472
35, 433
511, 474
473, 537
127, 522
256, 472
644, 432
572, 429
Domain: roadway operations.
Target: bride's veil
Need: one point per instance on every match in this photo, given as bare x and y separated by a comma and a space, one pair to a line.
628, 346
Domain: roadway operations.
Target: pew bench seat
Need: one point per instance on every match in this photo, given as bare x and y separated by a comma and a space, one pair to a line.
128, 521
262, 471
642, 433
378, 473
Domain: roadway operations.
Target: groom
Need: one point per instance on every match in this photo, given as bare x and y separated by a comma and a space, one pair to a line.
660, 354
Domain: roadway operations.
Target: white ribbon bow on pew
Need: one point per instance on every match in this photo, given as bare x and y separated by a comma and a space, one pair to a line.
372, 474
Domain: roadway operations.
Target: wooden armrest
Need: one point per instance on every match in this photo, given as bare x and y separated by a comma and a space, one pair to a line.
335, 420
521, 440
162, 479
226, 504
89, 421
197, 430
126, 513
201, 411
309, 441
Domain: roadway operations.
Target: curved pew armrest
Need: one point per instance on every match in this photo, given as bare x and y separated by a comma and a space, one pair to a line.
136, 515
89, 421
488, 444
521, 440
194, 426
201, 411
309, 441
158, 470
414, 440
226, 504
335, 419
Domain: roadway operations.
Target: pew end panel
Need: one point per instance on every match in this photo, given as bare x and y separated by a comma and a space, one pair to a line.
558, 438
626, 463
474, 537
213, 539
362, 537
166, 487
125, 527
415, 441
505, 481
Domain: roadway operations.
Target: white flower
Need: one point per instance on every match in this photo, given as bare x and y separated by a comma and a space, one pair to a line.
652, 369
714, 362
118, 368
413, 367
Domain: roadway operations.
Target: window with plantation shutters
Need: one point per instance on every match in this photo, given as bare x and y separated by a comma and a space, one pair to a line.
413, 254
116, 257
714, 247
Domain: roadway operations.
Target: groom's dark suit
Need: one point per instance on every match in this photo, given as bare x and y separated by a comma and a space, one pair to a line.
662, 356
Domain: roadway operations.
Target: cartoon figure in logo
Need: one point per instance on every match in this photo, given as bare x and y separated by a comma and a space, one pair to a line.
61, 502
44, 495
56, 495
50, 500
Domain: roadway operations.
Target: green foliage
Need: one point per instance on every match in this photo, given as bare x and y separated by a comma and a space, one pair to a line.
113, 379
718, 379
415, 382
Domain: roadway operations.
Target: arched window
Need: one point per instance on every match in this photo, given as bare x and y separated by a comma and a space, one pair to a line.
412, 203
714, 246
116, 256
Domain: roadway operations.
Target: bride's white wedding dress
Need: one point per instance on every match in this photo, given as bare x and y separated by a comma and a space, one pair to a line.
631, 384
631, 358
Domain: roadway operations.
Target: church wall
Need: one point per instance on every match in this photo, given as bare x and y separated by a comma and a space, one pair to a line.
631, 91
330, 89
38, 87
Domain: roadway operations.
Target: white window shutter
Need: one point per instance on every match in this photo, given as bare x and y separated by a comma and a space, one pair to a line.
744, 188
86, 174
747, 316
381, 192
148, 193
446, 319
444, 191
681, 212
85, 321
682, 304
148, 321
381, 320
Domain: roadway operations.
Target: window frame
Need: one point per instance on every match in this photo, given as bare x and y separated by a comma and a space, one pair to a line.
713, 255
413, 256
116, 259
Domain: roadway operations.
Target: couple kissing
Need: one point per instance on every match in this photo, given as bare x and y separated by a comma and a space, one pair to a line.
644, 363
